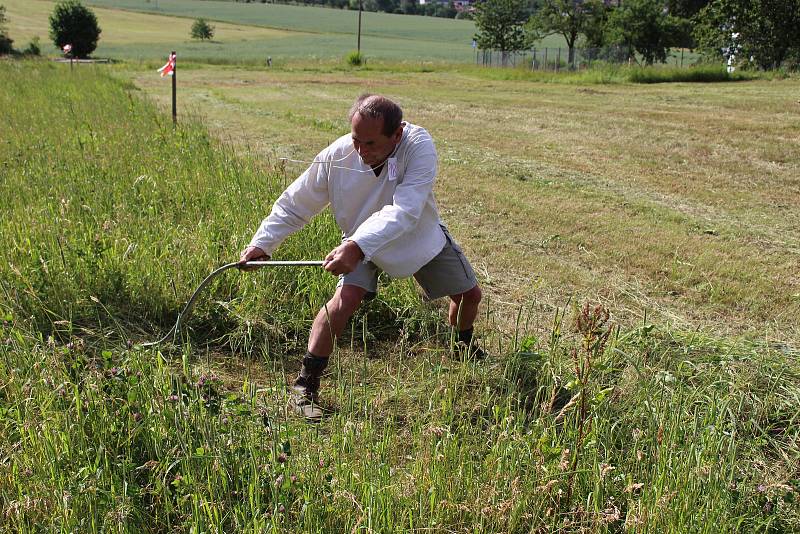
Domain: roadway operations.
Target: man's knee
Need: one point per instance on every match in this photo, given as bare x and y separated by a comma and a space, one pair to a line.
348, 298
473, 296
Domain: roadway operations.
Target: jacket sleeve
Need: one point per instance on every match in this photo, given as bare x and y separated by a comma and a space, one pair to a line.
304, 198
413, 192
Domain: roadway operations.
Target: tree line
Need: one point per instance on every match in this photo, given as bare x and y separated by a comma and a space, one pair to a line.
762, 34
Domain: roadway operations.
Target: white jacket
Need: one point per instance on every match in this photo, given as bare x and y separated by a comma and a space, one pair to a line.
392, 217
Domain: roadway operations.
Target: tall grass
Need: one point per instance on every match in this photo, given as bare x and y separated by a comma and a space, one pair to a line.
611, 74
111, 217
587, 428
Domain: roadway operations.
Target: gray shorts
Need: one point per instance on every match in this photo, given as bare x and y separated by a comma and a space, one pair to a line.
449, 273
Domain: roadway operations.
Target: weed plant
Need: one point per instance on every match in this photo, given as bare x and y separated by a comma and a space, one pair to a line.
110, 216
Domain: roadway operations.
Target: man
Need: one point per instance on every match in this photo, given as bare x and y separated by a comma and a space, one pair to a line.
378, 181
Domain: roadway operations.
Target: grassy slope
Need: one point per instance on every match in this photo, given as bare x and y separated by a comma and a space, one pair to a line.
680, 431
253, 32
649, 198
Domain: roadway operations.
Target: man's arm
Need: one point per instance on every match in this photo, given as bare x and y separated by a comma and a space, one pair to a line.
304, 198
343, 259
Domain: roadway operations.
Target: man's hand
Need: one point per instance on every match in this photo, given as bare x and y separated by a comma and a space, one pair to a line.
252, 254
343, 259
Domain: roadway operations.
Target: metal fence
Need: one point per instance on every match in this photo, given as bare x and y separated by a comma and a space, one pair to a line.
556, 59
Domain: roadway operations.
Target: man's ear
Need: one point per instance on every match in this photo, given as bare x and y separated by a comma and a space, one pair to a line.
398, 134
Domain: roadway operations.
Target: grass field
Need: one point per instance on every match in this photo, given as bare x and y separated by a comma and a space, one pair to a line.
249, 33
577, 422
675, 207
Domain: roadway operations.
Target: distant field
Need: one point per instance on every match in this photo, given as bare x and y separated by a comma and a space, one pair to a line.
251, 32
309, 19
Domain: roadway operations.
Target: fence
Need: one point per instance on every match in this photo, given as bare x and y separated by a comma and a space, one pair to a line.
555, 59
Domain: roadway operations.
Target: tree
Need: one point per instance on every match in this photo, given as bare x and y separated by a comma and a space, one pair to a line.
202, 30
500, 25
6, 43
642, 26
766, 30
570, 19
75, 24
685, 8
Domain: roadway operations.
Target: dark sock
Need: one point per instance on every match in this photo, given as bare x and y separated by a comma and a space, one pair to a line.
313, 365
465, 336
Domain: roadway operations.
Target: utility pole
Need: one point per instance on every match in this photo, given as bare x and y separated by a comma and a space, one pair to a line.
360, 8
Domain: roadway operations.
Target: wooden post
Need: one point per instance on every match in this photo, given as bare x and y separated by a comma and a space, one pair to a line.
174, 91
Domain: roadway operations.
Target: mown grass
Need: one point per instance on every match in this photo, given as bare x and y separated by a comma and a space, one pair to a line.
589, 427
676, 198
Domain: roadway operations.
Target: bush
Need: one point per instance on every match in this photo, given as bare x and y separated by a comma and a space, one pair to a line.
75, 24
33, 48
6, 43
355, 59
202, 30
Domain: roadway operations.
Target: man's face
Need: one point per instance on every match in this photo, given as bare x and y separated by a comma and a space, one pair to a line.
370, 142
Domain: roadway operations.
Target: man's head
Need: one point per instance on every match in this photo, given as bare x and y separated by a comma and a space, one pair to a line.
376, 125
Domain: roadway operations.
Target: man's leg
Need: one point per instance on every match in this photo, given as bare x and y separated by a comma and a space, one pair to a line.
462, 314
328, 325
464, 309
332, 319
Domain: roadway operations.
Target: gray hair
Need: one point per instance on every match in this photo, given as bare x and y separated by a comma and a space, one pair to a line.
375, 106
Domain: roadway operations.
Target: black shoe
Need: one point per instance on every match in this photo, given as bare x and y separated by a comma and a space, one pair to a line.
469, 351
304, 393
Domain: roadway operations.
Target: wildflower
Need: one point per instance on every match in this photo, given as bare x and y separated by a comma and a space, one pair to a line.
279, 481
137, 416
172, 398
321, 463
563, 464
610, 514
282, 458
605, 469
293, 478
634, 487
281, 509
